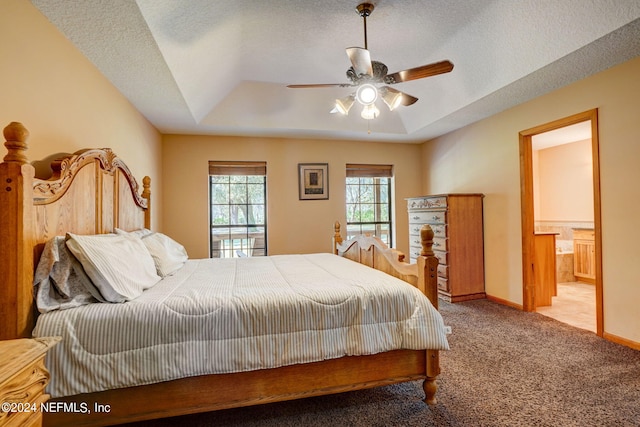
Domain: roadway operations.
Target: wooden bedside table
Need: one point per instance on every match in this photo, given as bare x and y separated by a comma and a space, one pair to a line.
23, 378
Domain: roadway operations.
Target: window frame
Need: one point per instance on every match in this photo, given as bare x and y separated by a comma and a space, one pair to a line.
375, 172
229, 170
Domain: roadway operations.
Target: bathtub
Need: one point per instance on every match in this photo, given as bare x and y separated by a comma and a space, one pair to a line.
564, 261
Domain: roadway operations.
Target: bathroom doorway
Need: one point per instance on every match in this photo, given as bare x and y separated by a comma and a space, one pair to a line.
557, 204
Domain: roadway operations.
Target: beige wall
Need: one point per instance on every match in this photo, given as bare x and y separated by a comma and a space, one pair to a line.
484, 157
67, 105
563, 183
294, 226
62, 99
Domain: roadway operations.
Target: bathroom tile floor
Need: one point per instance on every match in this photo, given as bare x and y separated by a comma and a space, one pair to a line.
575, 305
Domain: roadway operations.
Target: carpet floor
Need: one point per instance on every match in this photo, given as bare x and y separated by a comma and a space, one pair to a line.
505, 368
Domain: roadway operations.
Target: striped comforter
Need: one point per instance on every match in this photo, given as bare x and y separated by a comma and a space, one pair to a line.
230, 315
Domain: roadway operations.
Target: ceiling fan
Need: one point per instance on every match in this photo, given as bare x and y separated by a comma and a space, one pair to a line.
372, 80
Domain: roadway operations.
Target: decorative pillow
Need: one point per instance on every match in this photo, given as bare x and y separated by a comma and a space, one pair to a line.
60, 280
168, 255
120, 266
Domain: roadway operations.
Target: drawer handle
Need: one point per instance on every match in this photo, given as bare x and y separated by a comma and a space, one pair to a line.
436, 218
416, 217
436, 244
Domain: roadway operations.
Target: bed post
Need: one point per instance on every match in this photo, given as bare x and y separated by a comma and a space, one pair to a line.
146, 194
337, 238
428, 271
428, 275
16, 236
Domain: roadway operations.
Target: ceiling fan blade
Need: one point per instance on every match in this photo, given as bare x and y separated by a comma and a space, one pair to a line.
361, 60
419, 72
320, 85
406, 98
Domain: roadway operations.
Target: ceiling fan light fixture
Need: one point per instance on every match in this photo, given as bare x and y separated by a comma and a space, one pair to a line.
370, 112
392, 99
370, 78
367, 94
343, 105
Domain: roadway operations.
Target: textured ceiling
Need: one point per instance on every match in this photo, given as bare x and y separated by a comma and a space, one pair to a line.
221, 67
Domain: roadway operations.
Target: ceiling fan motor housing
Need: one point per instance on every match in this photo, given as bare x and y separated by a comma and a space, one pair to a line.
379, 73
365, 9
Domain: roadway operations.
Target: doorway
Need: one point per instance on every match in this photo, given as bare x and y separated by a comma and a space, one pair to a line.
528, 202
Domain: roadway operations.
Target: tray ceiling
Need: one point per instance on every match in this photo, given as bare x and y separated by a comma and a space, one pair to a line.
219, 67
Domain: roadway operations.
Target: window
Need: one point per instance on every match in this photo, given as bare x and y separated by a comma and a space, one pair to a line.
369, 201
237, 209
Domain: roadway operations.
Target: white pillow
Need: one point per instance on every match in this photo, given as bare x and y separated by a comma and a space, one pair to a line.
120, 266
141, 232
168, 255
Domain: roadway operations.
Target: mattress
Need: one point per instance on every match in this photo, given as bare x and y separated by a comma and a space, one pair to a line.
229, 315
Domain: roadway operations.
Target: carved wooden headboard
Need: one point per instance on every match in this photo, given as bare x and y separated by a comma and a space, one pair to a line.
90, 192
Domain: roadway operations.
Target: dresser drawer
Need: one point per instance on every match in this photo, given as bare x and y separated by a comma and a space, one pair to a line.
438, 242
443, 270
441, 243
427, 202
439, 230
443, 284
428, 217
415, 241
443, 257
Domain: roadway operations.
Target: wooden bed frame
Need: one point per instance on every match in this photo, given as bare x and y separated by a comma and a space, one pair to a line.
93, 191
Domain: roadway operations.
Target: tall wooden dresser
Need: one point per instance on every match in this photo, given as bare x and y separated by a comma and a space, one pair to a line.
456, 220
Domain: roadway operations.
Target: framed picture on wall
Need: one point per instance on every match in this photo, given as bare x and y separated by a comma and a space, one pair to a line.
313, 181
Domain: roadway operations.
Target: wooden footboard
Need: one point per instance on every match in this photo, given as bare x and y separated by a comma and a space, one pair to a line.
93, 192
372, 251
216, 392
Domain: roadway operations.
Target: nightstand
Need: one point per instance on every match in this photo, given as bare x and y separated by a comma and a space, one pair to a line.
23, 378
